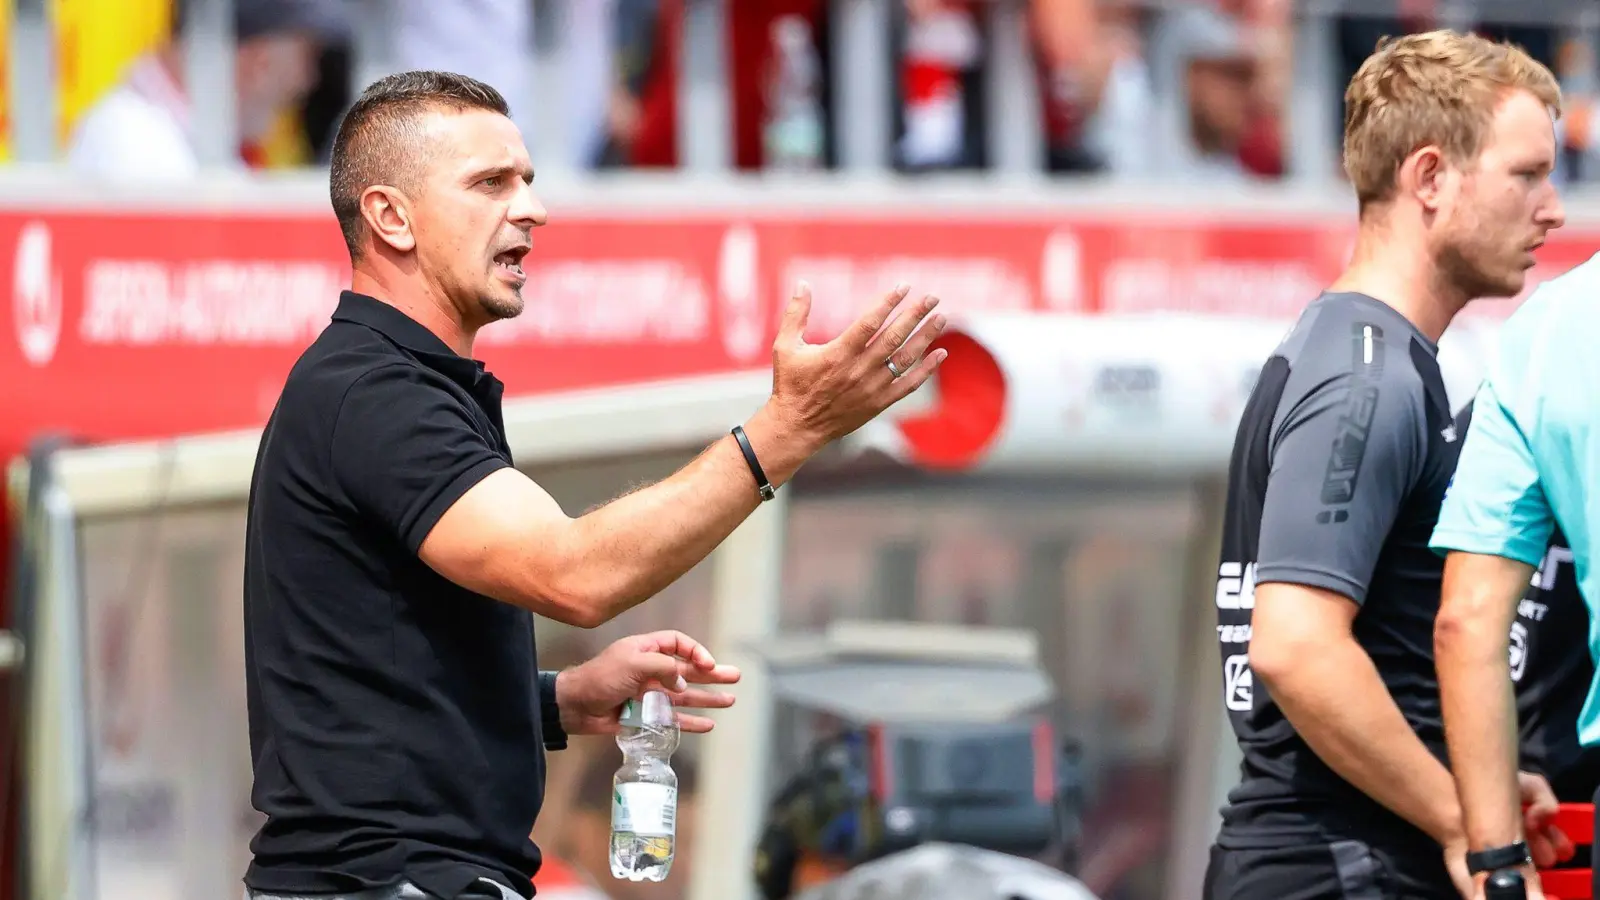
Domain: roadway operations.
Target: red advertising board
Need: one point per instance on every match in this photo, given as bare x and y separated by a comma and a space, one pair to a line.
128, 325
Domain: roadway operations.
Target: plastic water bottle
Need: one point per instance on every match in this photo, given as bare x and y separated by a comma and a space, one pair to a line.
644, 793
1505, 884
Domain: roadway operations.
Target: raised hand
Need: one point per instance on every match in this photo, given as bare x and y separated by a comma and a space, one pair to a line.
831, 389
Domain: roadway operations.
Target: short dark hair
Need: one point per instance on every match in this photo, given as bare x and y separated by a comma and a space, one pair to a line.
370, 147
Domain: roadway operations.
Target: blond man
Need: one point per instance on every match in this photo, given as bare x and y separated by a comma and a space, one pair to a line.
1327, 589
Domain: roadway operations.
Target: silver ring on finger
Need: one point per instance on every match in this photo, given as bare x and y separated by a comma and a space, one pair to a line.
895, 370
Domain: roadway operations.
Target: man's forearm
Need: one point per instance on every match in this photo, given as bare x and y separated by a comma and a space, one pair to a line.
504, 536
1340, 706
1471, 637
628, 550
1480, 722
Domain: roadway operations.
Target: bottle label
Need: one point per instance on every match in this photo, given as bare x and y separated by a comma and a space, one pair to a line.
647, 810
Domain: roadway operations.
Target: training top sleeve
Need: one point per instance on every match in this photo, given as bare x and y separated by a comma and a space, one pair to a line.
1496, 504
1345, 454
405, 449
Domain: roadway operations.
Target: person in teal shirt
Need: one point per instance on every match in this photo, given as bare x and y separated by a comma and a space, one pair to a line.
1530, 463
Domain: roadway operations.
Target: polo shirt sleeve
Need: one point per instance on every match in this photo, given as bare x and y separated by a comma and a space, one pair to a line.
1345, 456
1496, 504
405, 449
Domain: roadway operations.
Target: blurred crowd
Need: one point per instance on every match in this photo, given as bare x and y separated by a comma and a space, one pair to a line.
1142, 88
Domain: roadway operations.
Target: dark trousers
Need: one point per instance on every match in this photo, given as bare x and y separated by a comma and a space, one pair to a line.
1346, 870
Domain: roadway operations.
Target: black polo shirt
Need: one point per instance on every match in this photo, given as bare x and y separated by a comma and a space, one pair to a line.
394, 716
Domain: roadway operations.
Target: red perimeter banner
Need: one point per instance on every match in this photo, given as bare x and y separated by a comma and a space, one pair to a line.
148, 325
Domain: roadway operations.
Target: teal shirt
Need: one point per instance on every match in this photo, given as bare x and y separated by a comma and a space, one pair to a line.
1531, 459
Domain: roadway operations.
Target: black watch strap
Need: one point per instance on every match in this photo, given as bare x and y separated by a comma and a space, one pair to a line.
1510, 856
555, 737
763, 486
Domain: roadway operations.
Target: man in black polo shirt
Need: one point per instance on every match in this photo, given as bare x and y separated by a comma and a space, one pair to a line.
1327, 589
395, 557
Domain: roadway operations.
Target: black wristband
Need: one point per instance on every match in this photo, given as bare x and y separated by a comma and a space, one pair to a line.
1508, 857
555, 737
763, 486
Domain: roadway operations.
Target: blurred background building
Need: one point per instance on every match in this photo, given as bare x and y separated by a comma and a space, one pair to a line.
1122, 202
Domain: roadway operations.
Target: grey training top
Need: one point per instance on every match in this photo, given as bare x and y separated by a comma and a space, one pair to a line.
1341, 461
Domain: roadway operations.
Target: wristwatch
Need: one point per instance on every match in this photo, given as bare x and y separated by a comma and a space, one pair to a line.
1510, 856
555, 737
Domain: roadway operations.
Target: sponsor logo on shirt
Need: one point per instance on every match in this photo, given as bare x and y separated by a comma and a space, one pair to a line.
1355, 426
1234, 634
1236, 585
1238, 683
1550, 568
1519, 650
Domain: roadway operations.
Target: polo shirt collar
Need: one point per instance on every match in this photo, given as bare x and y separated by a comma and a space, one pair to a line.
411, 335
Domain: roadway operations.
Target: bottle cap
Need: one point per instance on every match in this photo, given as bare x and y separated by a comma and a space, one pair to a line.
658, 710
655, 711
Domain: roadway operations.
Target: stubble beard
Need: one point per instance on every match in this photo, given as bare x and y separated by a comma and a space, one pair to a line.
500, 308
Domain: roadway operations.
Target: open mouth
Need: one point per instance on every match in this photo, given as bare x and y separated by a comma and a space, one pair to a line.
510, 261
